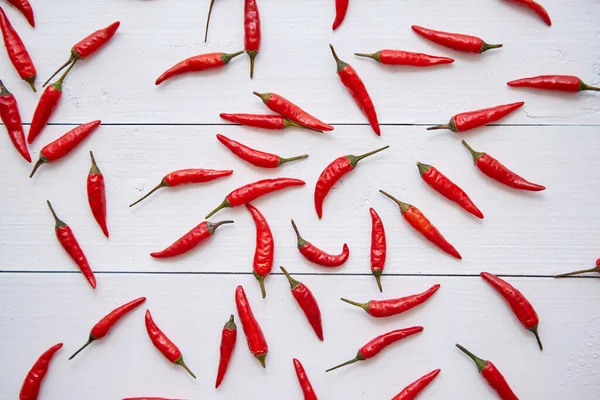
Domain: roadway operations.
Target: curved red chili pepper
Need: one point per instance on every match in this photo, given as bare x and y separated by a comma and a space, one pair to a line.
378, 247
318, 256
191, 239
96, 192
582, 271
412, 391
537, 8
495, 170
333, 173
210, 8
307, 302
273, 122
25, 7
256, 157
252, 33
307, 389
561, 83
35, 376
10, 116
341, 7
254, 335
283, 106
455, 41
399, 57
198, 63
17, 52
474, 119
265, 248
228, 339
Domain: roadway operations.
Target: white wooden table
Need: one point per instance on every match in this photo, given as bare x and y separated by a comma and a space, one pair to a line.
148, 131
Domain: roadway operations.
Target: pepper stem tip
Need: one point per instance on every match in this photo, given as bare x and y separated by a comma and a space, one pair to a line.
162, 184
69, 61
180, 361
261, 282
90, 340
481, 364
262, 359
301, 241
534, 330
581, 271
293, 283
290, 159
358, 358
364, 306
224, 204
38, 163
377, 274
403, 206
486, 46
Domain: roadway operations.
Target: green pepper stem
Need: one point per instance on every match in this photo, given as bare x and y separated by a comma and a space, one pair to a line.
486, 46
293, 283
162, 184
261, 282
377, 273
403, 206
252, 55
581, 271
585, 86
262, 358
94, 169
231, 324
374, 56
41, 160
3, 90
180, 361
69, 61
212, 226
90, 340
475, 154
301, 241
481, 364
358, 358
340, 64
263, 96
58, 223
534, 330
224, 204
290, 159
58, 84
423, 167
364, 306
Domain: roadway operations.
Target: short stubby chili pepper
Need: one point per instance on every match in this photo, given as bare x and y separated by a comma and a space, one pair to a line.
497, 171
420, 223
33, 381
252, 32
307, 302
305, 385
186, 176
450, 190
210, 8
228, 339
333, 173
341, 8
25, 7
164, 344
198, 63
252, 191
387, 308
273, 122
256, 157
254, 335
378, 247
96, 191
412, 391
318, 256
67, 240
455, 41
400, 57
357, 90
191, 239
537, 8
9, 113
65, 144
264, 251
581, 271
17, 52
289, 110
561, 83
474, 119
491, 374
104, 326
373, 347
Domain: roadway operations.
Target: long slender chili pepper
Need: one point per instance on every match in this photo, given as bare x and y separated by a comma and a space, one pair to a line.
265, 248
67, 240
495, 170
420, 223
412, 391
191, 239
273, 122
373, 347
254, 335
96, 191
256, 157
35, 376
252, 191
25, 7
198, 63
473, 119
17, 52
283, 106
210, 8
378, 247
65, 144
252, 33
581, 271
307, 303
455, 41
537, 8
400, 57
561, 83
450, 190
318, 256
357, 90
387, 308
305, 385
9, 113
341, 8
186, 176
228, 339
104, 326
491, 374
333, 173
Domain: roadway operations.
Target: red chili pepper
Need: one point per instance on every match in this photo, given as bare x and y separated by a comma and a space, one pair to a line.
378, 247
254, 335
307, 389
399, 57
318, 256
455, 41
357, 90
333, 173
273, 122
228, 339
491, 374
537, 8
372, 348
256, 157
283, 106
307, 303
473, 119
186, 176
582, 271
561, 83
9, 113
341, 7
104, 326
35, 376
412, 391
495, 170
64, 144
252, 191
191, 239
198, 63
387, 308
67, 240
265, 248
450, 190
419, 222
25, 7
251, 31
96, 191
210, 8
17, 52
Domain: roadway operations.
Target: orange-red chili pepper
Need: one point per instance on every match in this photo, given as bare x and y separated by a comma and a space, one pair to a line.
191, 239
307, 302
473, 119
318, 256
561, 83
256, 157
265, 248
104, 326
228, 339
412, 391
305, 385
378, 247
582, 271
25, 7
537, 8
9, 113
254, 335
273, 122
17, 52
341, 8
96, 192
198, 63
252, 33
283, 106
210, 8
35, 376
455, 41
400, 57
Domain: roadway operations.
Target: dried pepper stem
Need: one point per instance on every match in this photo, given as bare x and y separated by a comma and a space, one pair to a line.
210, 8
581, 271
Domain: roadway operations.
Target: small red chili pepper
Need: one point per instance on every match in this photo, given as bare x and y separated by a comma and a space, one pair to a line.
104, 326
412, 391
252, 191
210, 8
35, 376
191, 239
495, 170
372, 348
318, 256
341, 7
387, 308
17, 52
283, 106
256, 157
25, 7
273, 122
186, 176
378, 247
307, 302
64, 144
582, 271
254, 335
333, 173
419, 222
537, 8
265, 248
252, 33
491, 374
228, 339
67, 240
450, 190
473, 119
561, 83
198, 63
399, 57
307, 389
455, 41
9, 113
96, 191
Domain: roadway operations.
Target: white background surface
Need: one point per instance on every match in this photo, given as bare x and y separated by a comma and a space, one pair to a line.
149, 131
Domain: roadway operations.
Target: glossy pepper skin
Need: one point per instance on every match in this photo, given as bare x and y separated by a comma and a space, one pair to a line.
252, 32
96, 191
400, 57
283, 106
455, 41
272, 122
256, 157
254, 335
33, 381
582, 271
318, 256
25, 7
474, 119
412, 391
341, 8
378, 247
305, 385
9, 113
17, 52
560, 83
535, 7
264, 252
228, 339
191, 239
198, 63
307, 302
